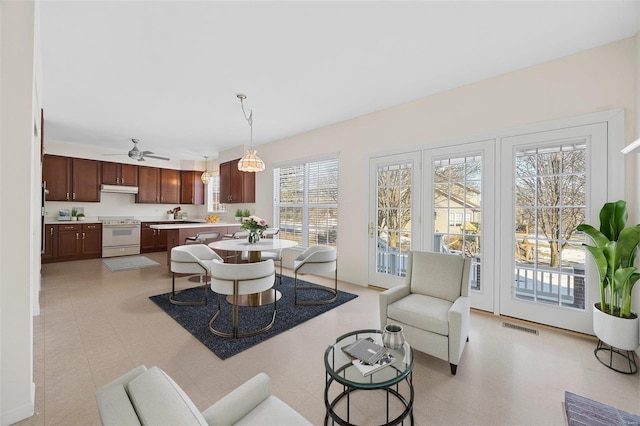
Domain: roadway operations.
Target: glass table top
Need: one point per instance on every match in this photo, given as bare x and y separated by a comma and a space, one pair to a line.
338, 364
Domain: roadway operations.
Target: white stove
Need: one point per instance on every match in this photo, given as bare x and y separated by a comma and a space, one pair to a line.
120, 236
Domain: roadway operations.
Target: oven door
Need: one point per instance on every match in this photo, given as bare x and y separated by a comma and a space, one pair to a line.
120, 240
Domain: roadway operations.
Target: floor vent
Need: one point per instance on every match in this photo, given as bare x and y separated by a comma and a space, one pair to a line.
521, 328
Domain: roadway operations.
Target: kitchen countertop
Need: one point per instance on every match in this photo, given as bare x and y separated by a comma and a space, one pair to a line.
55, 221
179, 225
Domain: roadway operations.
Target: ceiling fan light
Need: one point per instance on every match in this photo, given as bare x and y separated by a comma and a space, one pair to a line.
251, 162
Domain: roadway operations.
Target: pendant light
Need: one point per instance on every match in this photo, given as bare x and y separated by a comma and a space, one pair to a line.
250, 162
205, 176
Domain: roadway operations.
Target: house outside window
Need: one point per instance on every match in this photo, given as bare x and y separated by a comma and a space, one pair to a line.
306, 201
213, 195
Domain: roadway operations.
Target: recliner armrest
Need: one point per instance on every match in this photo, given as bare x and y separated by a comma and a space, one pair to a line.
458, 316
389, 296
236, 404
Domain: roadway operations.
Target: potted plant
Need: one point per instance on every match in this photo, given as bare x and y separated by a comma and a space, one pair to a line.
246, 213
74, 214
80, 216
238, 215
614, 253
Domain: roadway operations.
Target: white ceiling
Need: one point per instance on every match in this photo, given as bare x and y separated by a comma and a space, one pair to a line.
168, 72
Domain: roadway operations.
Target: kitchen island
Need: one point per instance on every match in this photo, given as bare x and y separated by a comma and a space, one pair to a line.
178, 232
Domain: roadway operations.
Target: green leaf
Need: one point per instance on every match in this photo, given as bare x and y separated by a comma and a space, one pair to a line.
628, 245
612, 219
601, 262
598, 237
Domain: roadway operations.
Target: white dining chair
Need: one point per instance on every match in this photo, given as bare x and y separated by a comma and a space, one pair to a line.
192, 259
316, 260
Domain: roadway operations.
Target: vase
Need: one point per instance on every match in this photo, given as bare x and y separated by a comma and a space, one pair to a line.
621, 333
392, 336
253, 237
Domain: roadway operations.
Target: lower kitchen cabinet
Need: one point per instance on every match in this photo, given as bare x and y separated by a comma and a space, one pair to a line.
152, 239
72, 242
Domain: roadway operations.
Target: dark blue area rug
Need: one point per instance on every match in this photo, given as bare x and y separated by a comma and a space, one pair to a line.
584, 411
195, 319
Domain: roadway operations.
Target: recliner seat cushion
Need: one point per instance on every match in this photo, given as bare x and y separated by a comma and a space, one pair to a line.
423, 312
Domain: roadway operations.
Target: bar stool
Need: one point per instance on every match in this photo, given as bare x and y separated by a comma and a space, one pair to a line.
201, 237
234, 236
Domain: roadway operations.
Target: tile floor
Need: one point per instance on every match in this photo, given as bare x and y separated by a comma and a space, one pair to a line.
96, 324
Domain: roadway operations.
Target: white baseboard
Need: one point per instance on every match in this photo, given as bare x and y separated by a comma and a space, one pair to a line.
22, 412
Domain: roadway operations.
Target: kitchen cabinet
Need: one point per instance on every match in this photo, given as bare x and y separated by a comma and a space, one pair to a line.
152, 239
71, 179
158, 186
191, 187
119, 174
50, 243
236, 186
72, 242
91, 240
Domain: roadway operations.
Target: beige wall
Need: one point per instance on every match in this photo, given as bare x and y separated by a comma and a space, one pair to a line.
595, 80
19, 186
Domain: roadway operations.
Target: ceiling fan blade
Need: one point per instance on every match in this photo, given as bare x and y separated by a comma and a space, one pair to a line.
158, 157
113, 154
148, 152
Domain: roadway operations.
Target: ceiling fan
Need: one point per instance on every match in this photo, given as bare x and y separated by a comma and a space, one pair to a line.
136, 154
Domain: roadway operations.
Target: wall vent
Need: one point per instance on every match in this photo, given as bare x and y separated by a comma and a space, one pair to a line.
521, 328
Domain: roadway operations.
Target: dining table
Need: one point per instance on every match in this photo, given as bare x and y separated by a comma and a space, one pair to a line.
254, 251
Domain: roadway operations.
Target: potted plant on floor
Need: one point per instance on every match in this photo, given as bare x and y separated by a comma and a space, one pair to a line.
614, 253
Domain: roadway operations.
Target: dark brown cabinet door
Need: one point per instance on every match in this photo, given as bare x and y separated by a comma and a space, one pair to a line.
148, 185
225, 182
161, 239
92, 240
69, 243
56, 173
147, 240
119, 174
110, 173
50, 243
191, 187
169, 186
236, 186
86, 180
129, 175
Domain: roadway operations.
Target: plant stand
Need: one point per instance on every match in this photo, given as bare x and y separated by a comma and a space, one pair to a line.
623, 358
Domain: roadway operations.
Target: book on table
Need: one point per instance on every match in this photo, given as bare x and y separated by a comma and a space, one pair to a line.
366, 350
369, 369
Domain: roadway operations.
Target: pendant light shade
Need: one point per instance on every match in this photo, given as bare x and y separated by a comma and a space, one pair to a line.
250, 162
205, 176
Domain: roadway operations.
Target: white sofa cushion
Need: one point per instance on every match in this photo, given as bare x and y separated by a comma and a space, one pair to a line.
159, 400
423, 312
113, 402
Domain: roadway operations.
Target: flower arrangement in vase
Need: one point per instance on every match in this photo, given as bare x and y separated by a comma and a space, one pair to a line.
255, 226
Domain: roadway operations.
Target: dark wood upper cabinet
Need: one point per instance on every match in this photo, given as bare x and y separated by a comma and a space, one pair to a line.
148, 185
71, 179
191, 187
119, 174
158, 186
169, 186
86, 180
56, 174
236, 186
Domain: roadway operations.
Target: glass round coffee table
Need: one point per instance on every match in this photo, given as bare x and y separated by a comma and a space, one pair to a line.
395, 381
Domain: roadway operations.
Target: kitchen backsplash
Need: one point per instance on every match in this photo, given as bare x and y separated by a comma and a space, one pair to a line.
125, 205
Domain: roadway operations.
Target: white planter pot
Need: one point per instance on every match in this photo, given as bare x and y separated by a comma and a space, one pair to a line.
621, 333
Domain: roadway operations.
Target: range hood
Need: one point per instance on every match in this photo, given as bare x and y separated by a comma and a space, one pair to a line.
119, 189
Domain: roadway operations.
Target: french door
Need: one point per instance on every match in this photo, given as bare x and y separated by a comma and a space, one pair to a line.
459, 211
394, 216
551, 182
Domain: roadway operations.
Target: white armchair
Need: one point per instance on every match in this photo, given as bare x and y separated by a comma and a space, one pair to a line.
433, 306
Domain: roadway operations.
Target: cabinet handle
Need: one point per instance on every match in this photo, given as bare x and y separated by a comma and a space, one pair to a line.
122, 181
77, 236
67, 195
83, 235
51, 230
117, 180
74, 195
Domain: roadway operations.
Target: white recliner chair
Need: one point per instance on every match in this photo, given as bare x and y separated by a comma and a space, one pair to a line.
433, 306
192, 259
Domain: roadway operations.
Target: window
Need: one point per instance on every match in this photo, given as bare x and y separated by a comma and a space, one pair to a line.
306, 202
213, 195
